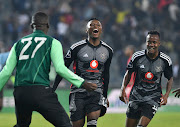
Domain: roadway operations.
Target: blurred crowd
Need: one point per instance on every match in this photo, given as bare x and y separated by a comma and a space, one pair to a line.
125, 22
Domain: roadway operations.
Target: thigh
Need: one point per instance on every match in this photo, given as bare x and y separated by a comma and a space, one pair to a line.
149, 110
23, 109
78, 123
52, 110
77, 107
94, 103
131, 122
93, 115
144, 121
133, 110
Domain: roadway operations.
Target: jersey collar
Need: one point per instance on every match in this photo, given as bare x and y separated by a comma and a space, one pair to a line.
93, 45
38, 31
152, 59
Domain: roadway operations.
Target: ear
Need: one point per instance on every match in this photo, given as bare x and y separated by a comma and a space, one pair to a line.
32, 25
86, 30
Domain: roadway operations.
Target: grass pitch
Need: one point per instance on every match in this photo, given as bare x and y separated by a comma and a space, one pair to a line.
161, 119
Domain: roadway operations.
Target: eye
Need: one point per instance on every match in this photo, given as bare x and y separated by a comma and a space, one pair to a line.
91, 24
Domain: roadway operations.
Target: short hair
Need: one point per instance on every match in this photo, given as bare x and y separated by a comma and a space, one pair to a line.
39, 19
154, 32
93, 19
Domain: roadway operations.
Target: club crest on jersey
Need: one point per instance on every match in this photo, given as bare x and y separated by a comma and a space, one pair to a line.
149, 75
94, 64
103, 56
158, 69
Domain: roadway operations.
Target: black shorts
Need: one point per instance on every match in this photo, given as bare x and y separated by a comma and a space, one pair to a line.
42, 100
136, 110
82, 103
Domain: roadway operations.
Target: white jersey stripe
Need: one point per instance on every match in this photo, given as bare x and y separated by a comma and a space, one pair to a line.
77, 44
166, 57
107, 45
136, 54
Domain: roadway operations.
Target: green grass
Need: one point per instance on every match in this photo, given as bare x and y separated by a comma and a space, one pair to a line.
166, 119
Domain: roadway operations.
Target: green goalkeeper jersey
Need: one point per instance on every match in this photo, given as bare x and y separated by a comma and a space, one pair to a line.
32, 56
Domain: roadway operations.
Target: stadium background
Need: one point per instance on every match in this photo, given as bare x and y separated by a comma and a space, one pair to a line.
124, 22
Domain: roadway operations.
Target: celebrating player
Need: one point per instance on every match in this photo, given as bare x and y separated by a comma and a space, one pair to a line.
146, 94
92, 58
32, 56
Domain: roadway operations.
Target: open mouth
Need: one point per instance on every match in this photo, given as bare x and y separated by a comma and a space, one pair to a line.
95, 31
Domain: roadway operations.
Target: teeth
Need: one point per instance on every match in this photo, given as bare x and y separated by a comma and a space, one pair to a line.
95, 30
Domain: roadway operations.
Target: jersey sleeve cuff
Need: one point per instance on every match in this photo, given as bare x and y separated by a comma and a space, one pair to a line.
82, 84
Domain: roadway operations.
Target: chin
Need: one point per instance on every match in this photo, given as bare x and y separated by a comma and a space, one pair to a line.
151, 51
94, 38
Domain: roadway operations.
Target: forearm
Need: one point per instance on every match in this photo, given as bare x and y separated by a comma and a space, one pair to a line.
8, 68
105, 89
126, 79
64, 72
61, 69
169, 86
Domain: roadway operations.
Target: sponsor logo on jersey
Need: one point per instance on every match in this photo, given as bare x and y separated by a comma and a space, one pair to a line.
142, 66
85, 55
94, 64
149, 75
103, 56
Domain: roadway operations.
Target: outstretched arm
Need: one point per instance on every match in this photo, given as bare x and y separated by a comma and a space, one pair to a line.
61, 69
68, 60
8, 68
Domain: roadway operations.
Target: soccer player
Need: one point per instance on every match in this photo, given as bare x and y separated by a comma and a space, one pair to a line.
177, 91
146, 95
91, 60
32, 56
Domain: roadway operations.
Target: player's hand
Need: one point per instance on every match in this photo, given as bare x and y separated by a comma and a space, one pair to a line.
163, 100
123, 96
89, 86
177, 91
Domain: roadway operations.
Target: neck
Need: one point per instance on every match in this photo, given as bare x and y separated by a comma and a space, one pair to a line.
44, 31
94, 42
152, 55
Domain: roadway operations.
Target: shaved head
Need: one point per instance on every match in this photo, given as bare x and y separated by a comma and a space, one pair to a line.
40, 19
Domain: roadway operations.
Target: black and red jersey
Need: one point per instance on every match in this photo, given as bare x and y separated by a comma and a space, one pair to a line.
148, 72
91, 63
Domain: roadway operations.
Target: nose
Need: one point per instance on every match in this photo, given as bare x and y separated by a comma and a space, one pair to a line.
95, 26
151, 44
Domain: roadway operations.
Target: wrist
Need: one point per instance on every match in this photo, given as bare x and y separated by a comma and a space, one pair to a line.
166, 95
